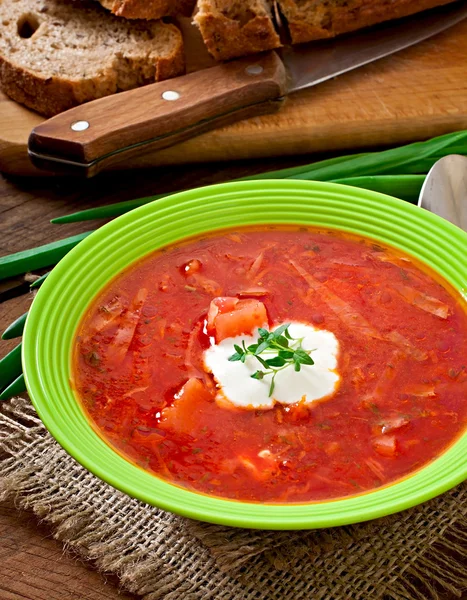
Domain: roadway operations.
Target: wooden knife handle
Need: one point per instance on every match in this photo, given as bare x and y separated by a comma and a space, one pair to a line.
93, 136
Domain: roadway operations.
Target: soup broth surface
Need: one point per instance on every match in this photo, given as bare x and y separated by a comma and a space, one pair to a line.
139, 366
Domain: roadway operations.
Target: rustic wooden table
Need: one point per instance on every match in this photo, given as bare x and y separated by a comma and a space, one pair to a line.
33, 566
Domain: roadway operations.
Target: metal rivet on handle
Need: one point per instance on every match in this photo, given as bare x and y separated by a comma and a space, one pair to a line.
170, 95
254, 70
80, 126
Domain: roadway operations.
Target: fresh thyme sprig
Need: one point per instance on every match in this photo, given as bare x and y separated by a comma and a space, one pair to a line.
288, 351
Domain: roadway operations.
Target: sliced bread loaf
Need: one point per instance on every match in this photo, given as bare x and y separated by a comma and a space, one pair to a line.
315, 19
55, 54
149, 9
232, 28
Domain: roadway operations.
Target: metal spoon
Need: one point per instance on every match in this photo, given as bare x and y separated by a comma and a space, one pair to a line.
445, 190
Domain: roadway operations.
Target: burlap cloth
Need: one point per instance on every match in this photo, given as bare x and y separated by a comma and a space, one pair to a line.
419, 553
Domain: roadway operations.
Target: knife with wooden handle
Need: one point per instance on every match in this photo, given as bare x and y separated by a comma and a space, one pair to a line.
106, 132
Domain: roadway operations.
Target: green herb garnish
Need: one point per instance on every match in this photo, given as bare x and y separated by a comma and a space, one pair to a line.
287, 351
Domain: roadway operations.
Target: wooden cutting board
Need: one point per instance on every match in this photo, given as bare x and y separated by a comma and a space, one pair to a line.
413, 95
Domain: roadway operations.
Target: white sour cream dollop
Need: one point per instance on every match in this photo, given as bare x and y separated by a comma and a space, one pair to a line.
311, 383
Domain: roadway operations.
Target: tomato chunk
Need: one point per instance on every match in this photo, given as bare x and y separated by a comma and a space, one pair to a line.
185, 414
231, 317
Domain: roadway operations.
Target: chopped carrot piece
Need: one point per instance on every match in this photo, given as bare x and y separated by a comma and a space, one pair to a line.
421, 390
299, 411
385, 445
256, 292
234, 237
230, 317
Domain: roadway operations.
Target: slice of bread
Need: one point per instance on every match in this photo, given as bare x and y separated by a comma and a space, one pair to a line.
149, 9
232, 28
55, 54
316, 19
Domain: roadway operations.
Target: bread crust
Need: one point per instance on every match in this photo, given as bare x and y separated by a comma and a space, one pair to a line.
228, 38
47, 96
342, 17
52, 95
149, 9
225, 38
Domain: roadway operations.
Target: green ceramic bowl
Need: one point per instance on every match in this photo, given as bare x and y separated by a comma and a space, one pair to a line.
63, 298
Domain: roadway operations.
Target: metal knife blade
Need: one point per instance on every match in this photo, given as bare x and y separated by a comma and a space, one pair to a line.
105, 133
311, 64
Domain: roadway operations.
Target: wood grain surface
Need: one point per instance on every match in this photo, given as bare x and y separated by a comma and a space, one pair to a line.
415, 94
34, 566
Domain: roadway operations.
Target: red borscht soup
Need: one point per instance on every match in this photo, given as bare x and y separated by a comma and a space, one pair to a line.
276, 364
